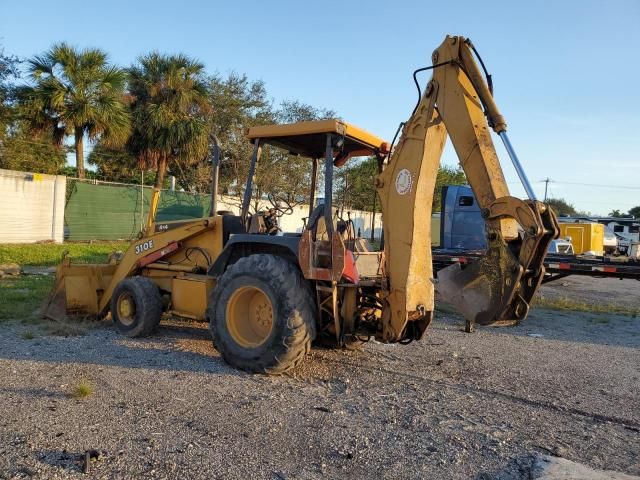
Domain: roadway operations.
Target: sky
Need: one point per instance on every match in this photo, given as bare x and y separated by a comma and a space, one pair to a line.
565, 73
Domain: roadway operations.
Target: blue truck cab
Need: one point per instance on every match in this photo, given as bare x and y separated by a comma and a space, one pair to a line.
461, 225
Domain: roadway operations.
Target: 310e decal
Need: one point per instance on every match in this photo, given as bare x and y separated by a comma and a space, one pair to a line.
143, 247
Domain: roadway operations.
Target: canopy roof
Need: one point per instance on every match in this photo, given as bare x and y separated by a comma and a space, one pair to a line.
309, 138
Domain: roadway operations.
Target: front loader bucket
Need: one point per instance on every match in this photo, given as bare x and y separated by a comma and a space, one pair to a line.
485, 291
77, 289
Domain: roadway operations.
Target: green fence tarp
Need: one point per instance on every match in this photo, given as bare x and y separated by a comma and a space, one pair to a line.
111, 212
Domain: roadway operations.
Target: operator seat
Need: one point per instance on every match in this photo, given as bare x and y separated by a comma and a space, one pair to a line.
231, 224
318, 227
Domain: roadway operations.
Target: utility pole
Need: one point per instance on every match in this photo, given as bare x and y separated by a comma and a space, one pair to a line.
546, 187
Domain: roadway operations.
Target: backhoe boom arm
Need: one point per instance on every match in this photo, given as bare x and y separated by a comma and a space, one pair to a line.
457, 102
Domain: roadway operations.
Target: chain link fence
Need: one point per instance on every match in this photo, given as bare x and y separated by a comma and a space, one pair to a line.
97, 210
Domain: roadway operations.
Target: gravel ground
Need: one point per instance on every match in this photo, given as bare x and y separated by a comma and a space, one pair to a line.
453, 406
588, 290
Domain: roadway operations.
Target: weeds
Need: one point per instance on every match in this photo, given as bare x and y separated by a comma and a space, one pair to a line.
67, 328
70, 327
444, 307
47, 254
82, 390
20, 297
564, 303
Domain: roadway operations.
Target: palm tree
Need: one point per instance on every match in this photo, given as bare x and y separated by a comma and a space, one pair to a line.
77, 93
169, 113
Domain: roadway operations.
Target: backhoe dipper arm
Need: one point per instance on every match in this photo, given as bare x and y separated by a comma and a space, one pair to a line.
457, 102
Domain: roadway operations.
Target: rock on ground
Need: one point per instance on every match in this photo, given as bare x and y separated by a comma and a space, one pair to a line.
554, 468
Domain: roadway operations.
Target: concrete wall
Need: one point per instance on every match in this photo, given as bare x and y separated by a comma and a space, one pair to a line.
361, 220
293, 221
32, 207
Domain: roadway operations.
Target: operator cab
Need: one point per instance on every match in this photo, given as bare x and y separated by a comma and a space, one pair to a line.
333, 140
325, 239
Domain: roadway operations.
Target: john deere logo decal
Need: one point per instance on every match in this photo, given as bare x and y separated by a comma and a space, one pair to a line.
404, 182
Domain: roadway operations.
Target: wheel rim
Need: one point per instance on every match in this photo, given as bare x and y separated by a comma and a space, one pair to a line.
126, 309
249, 317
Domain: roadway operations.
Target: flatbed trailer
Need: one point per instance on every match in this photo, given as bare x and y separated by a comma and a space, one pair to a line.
557, 266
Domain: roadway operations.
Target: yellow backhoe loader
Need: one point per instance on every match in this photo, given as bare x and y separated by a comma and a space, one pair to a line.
267, 297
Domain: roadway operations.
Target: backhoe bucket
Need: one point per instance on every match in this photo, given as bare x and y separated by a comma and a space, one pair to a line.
486, 291
76, 289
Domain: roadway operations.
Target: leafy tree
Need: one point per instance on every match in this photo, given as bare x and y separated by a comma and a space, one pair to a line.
356, 184
118, 165
561, 207
76, 93
169, 114
8, 71
635, 211
292, 111
283, 176
23, 150
617, 213
19, 148
234, 104
447, 175
237, 103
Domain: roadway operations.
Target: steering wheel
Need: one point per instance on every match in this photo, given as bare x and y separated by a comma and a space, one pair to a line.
276, 203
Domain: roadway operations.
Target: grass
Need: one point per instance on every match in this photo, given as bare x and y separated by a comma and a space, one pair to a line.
444, 307
564, 303
82, 390
47, 254
21, 297
68, 328
375, 245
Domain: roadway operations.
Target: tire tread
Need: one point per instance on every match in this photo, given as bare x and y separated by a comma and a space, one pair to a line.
298, 304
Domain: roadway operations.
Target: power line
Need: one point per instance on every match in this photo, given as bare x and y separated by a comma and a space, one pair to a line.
92, 152
619, 204
601, 185
546, 187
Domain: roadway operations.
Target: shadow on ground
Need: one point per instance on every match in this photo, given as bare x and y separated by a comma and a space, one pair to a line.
561, 325
176, 346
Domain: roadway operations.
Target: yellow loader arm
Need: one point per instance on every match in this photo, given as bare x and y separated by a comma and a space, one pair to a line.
499, 287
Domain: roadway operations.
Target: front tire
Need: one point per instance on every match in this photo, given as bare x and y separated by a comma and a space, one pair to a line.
262, 315
136, 306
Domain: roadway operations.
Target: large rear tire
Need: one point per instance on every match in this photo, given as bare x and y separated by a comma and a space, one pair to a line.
262, 315
136, 306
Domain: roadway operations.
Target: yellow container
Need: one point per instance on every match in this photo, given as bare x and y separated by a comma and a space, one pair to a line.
585, 237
